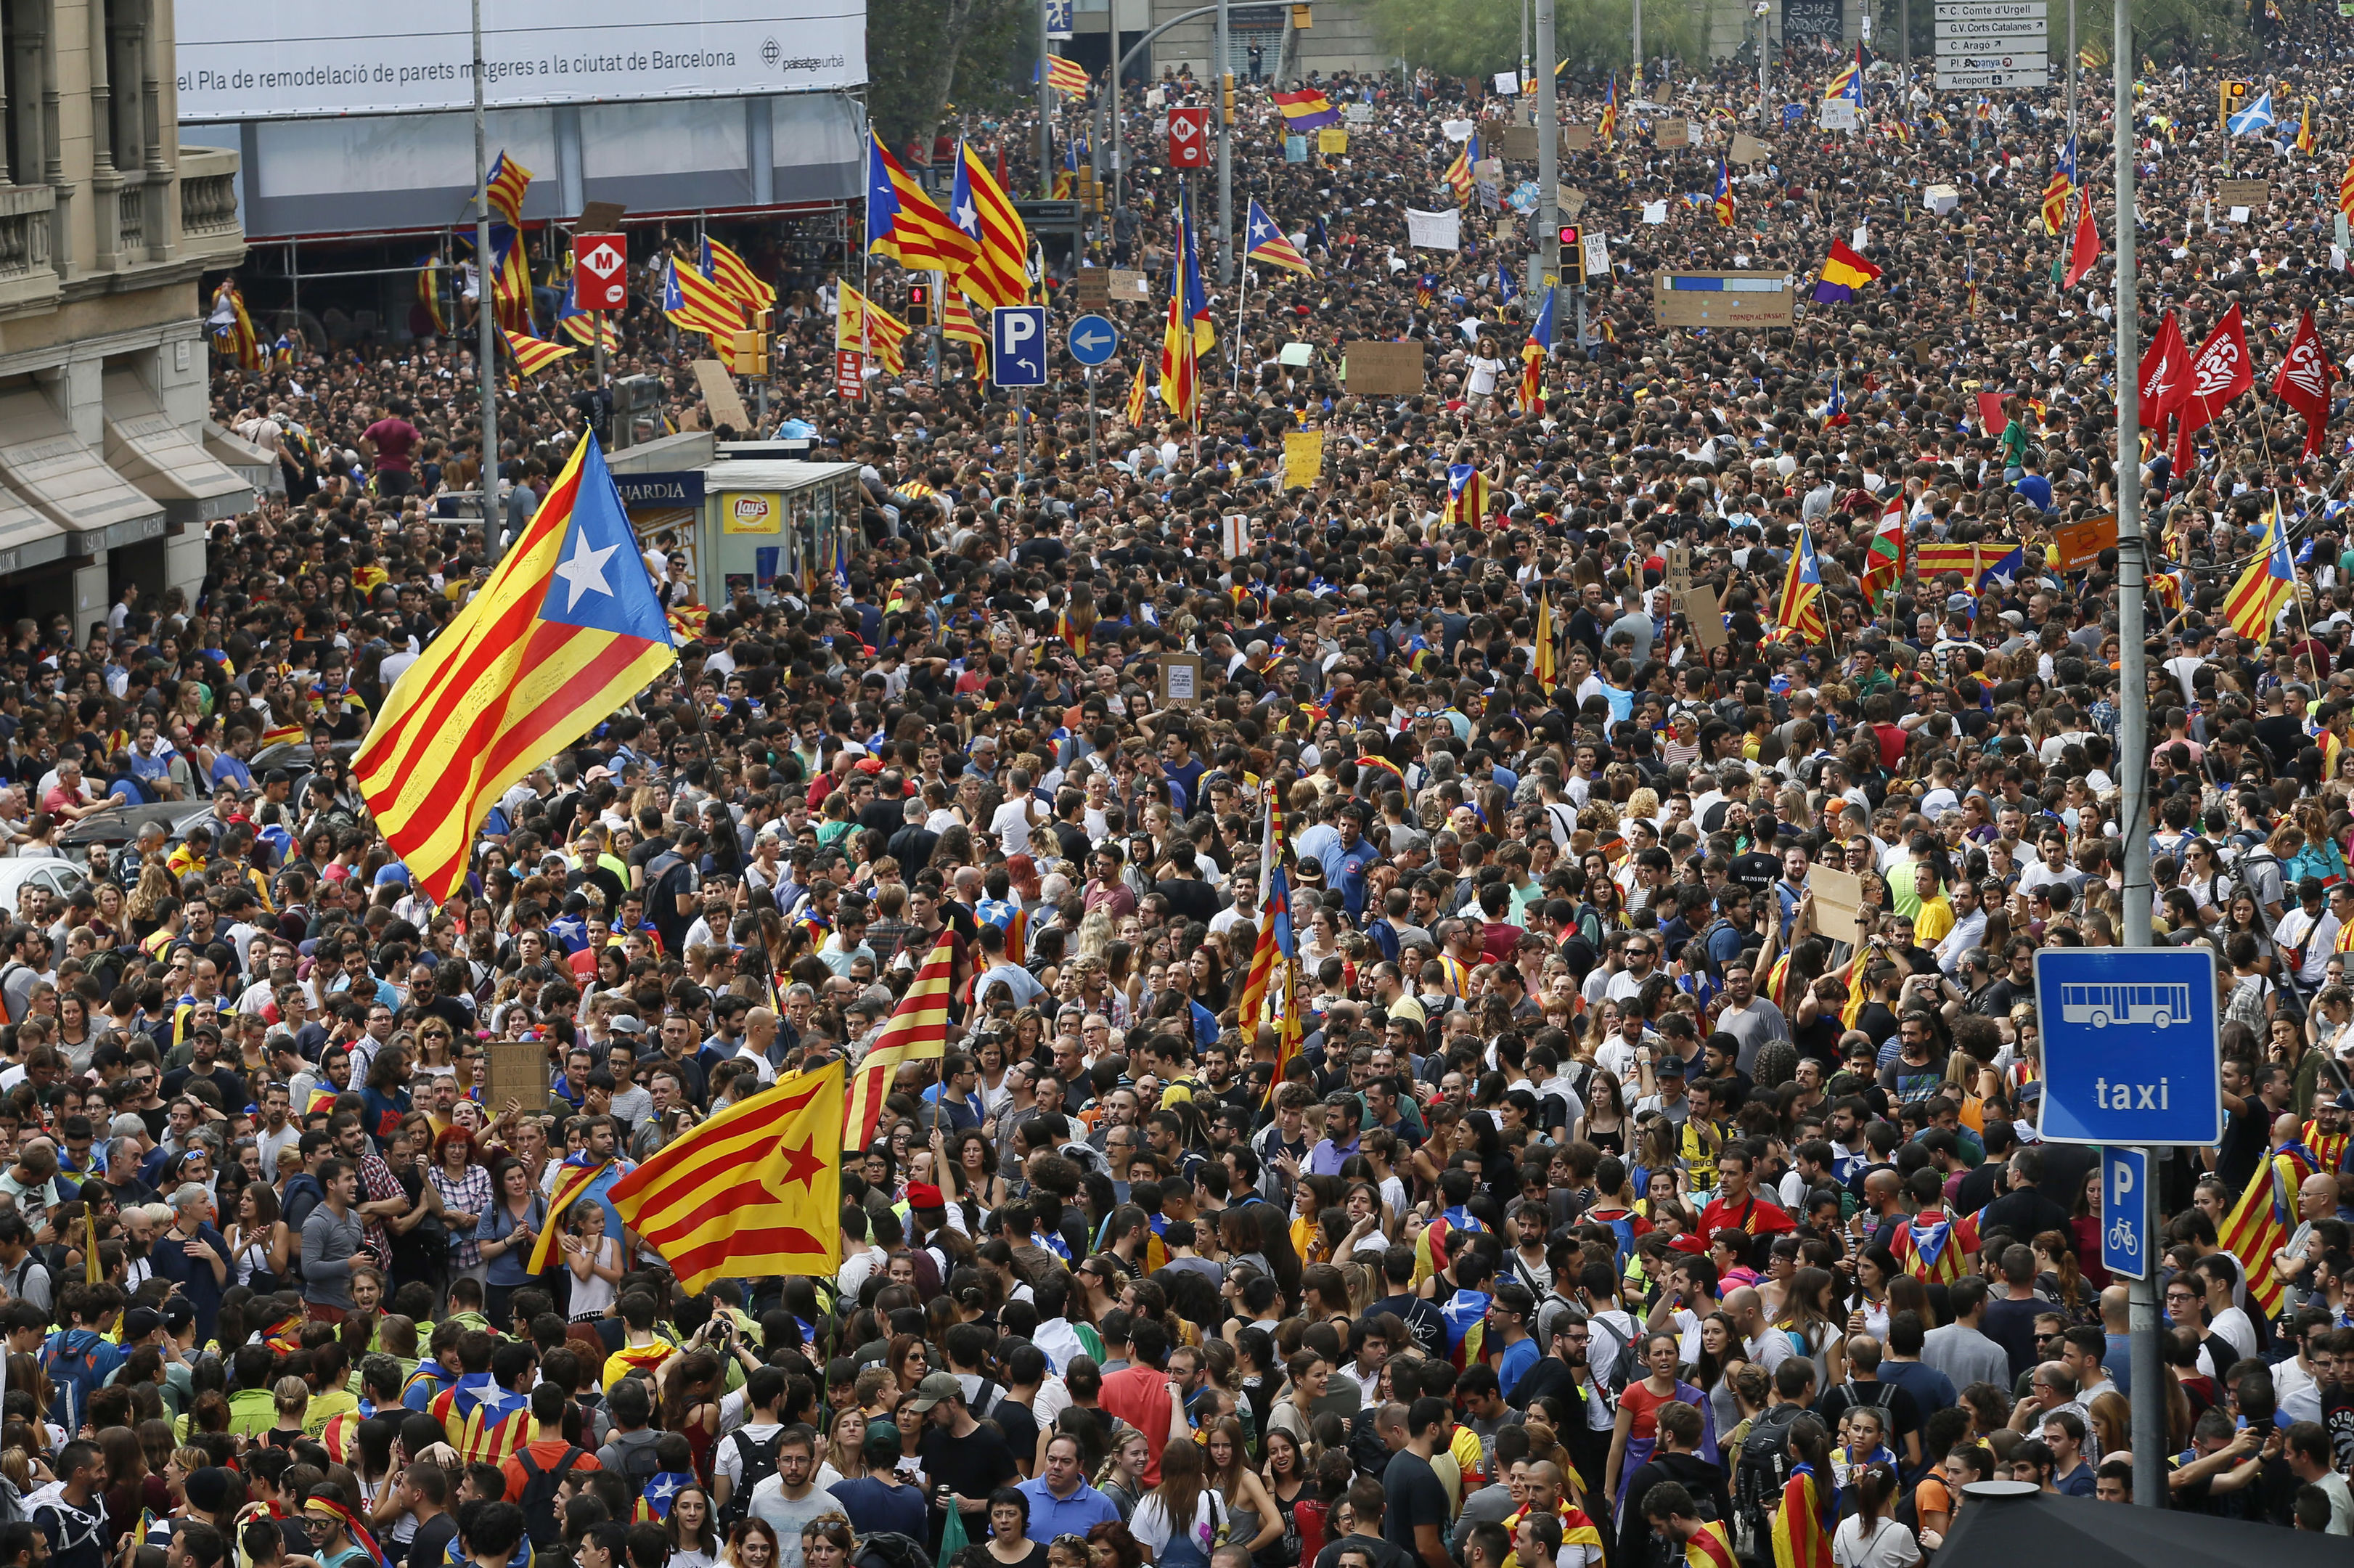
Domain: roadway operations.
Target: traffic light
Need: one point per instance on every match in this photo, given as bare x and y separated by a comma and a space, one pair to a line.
1226, 97
752, 348
920, 304
1573, 252
2230, 99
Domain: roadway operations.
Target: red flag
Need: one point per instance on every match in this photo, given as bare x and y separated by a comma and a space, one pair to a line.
2218, 373
1992, 415
2303, 382
2161, 374
2086, 249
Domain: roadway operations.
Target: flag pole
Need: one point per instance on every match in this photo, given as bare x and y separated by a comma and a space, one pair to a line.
1242, 292
485, 293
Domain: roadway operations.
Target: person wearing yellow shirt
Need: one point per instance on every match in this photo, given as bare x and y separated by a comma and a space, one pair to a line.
1935, 918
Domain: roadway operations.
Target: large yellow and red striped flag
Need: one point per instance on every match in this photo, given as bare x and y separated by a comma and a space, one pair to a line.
1545, 650
757, 1190
2255, 604
1801, 1538
580, 1175
2257, 1227
999, 274
534, 354
504, 188
865, 327
735, 278
567, 630
917, 1030
1068, 77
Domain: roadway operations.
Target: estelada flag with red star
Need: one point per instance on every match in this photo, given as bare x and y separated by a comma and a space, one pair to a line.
755, 1189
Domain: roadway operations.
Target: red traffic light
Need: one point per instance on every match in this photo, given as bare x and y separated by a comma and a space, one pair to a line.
919, 294
1569, 238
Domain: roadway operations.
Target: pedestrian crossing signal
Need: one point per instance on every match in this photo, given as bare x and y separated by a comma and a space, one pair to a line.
920, 304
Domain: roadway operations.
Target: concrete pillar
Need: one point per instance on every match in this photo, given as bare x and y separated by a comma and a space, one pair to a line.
93, 592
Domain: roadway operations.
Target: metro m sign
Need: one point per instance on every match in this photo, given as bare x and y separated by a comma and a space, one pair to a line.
1189, 138
601, 271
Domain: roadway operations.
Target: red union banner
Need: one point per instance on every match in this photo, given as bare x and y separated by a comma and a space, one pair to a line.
849, 374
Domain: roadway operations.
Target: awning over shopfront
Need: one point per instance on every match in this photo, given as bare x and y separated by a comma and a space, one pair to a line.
163, 462
47, 465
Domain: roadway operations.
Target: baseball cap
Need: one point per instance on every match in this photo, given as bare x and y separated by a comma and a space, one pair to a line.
935, 1388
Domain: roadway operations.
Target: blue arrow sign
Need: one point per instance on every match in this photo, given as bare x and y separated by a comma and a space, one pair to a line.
2131, 1049
1018, 339
1093, 339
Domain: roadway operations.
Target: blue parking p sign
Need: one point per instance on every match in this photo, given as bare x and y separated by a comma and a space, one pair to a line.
2125, 1211
2131, 1052
1018, 346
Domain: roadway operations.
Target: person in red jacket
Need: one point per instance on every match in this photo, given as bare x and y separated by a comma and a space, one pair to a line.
1737, 1206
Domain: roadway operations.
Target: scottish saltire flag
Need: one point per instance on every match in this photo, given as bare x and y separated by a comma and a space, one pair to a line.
2258, 116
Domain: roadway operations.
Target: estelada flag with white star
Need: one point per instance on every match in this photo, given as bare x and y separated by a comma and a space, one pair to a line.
567, 630
1270, 244
755, 1189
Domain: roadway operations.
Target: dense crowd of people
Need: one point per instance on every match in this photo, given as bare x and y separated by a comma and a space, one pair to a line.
1608, 1183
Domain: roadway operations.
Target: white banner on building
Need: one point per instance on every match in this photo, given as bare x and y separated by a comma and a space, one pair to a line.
1435, 230
341, 60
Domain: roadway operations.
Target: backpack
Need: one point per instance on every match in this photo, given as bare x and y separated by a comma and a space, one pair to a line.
1758, 1474
640, 1464
1611, 1369
888, 1549
756, 1462
539, 1490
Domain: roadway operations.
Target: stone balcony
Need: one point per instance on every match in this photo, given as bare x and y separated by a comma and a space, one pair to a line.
209, 231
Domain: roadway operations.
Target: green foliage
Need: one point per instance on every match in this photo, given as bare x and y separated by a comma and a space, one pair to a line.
1478, 37
923, 54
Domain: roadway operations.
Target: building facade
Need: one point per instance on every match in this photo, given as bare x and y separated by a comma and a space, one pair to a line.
109, 472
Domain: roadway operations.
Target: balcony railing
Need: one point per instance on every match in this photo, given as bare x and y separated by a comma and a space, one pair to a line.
208, 222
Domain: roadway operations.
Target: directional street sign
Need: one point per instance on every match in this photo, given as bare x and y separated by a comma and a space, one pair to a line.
2131, 1048
2125, 1210
1018, 346
601, 271
1092, 340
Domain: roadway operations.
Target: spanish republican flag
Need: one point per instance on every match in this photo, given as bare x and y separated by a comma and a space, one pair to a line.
917, 1030
1844, 273
567, 630
755, 1189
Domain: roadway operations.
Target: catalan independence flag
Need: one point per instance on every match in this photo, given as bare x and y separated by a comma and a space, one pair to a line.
905, 223
1801, 610
2258, 1226
534, 354
578, 1175
1068, 77
1843, 274
1802, 1523
917, 1030
755, 1189
735, 277
485, 1423
1307, 110
504, 188
2256, 601
567, 630
1268, 243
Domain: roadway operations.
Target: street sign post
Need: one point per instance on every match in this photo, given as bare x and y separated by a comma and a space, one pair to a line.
1018, 346
601, 271
2131, 1049
1092, 339
1189, 137
2125, 1210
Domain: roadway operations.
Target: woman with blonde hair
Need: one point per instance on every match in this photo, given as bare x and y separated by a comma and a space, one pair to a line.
1121, 1478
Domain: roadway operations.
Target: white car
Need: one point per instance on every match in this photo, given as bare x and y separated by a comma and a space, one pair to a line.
62, 878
